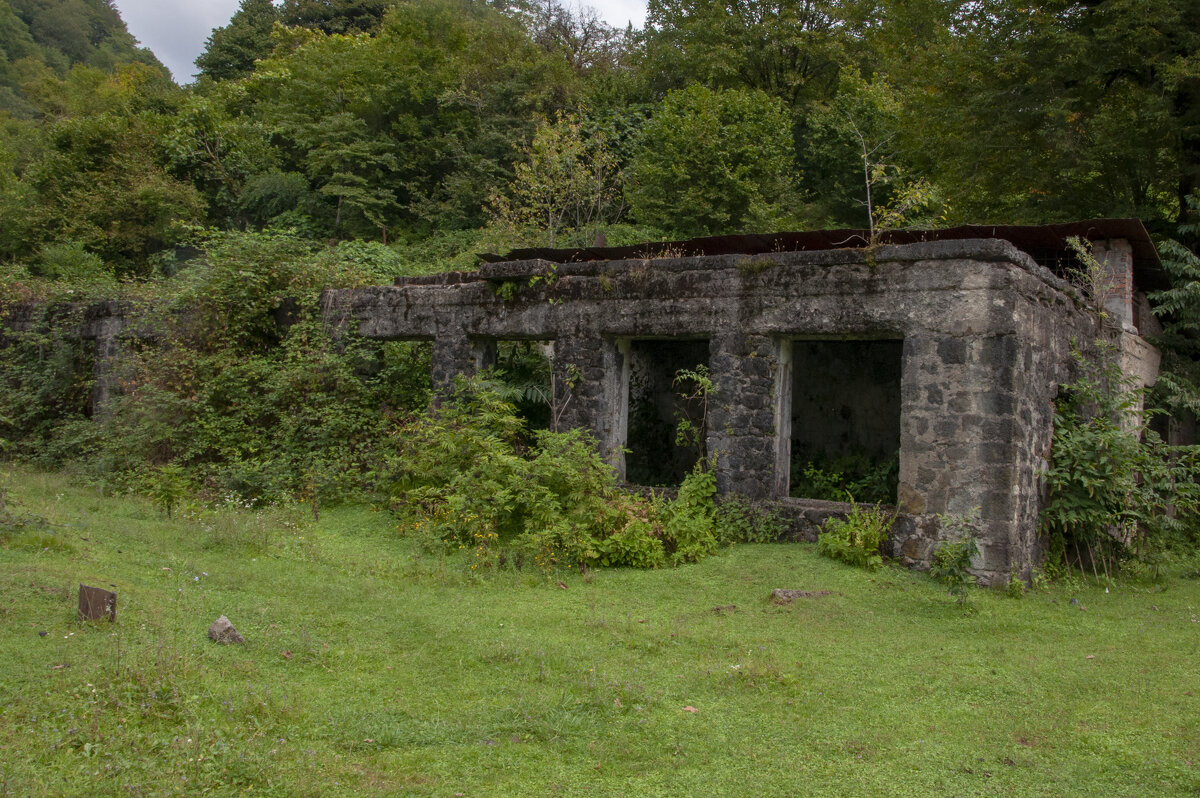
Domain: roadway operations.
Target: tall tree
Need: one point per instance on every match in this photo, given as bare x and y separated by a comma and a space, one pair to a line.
713, 162
45, 38
231, 51
568, 185
791, 50
432, 110
336, 16
1051, 110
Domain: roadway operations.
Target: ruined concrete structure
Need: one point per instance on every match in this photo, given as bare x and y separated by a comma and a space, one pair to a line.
939, 351
950, 351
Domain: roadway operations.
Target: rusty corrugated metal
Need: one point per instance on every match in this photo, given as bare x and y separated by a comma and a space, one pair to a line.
1046, 244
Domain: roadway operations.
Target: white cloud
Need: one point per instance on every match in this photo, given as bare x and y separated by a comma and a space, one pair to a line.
176, 29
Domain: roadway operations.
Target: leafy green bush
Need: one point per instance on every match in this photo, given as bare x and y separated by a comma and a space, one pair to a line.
738, 520
232, 376
689, 520
853, 477
951, 565
463, 478
1114, 488
856, 538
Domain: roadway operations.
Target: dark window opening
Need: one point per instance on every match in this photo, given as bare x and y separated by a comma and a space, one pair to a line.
523, 372
845, 420
400, 372
662, 397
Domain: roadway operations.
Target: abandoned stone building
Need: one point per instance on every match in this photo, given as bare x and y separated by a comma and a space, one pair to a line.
942, 350
934, 355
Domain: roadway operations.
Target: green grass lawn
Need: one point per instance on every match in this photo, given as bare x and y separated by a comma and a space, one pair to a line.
369, 669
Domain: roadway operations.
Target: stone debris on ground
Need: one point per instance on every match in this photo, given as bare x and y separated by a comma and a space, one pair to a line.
222, 631
785, 596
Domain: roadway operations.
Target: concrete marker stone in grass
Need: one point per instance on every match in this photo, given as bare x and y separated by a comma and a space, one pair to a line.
96, 603
222, 632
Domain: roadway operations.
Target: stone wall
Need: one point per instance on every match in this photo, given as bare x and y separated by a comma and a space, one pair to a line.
985, 332
101, 324
984, 336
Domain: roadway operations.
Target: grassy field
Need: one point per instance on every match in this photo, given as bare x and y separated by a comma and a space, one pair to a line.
369, 669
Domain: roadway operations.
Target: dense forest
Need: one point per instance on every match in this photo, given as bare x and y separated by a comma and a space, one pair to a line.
441, 126
343, 142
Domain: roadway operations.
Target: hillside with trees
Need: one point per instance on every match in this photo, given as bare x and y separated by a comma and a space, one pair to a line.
345, 143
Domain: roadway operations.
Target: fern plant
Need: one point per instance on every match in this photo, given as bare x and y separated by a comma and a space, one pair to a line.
857, 538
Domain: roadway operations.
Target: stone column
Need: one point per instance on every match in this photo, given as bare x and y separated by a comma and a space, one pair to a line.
962, 443
579, 369
742, 416
453, 354
617, 371
107, 353
104, 325
1116, 256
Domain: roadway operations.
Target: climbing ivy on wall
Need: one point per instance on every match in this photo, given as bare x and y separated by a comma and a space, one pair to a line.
229, 373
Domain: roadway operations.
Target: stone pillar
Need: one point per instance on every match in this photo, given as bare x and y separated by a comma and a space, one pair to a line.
617, 371
580, 396
1116, 256
453, 354
783, 421
963, 445
107, 353
104, 325
485, 353
742, 429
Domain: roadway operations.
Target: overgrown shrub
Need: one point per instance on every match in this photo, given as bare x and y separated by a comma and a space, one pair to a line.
230, 374
852, 477
951, 564
1114, 488
857, 538
689, 519
463, 478
738, 520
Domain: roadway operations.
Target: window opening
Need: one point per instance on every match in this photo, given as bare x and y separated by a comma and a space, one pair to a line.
845, 420
523, 370
662, 395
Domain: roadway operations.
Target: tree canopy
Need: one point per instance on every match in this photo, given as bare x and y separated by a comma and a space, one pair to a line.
415, 122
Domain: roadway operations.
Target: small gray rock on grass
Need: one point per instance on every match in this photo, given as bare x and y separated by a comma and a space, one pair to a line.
222, 631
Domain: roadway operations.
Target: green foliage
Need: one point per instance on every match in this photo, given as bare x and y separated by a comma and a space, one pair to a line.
1178, 307
45, 382
1051, 112
852, 477
689, 520
413, 127
167, 487
789, 51
741, 520
564, 192
1114, 488
241, 385
231, 51
713, 162
47, 37
951, 564
853, 172
335, 16
691, 428
463, 477
70, 263
857, 538
1015, 587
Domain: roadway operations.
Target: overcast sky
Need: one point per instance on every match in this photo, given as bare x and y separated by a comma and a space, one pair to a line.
177, 29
